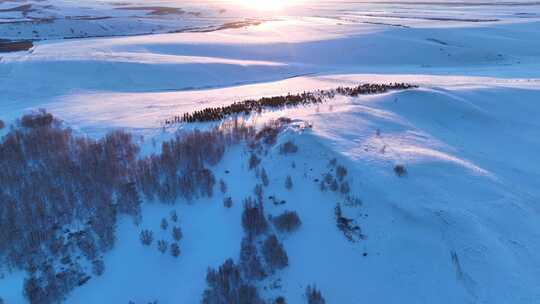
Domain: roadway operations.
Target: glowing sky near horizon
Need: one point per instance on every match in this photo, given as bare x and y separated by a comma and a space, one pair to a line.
267, 5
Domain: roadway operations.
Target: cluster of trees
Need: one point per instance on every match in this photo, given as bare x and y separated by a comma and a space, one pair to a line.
236, 283
147, 236
226, 285
61, 195
51, 179
250, 106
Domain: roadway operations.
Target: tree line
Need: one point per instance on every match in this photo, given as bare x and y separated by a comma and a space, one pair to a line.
257, 105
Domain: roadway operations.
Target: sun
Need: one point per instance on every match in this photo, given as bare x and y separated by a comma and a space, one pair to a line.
267, 5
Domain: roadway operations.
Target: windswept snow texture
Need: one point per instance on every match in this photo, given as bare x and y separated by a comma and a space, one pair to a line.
462, 227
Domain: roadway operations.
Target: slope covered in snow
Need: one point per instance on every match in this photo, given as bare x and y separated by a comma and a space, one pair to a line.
460, 227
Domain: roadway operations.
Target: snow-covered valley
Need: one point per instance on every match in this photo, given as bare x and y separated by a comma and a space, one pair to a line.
442, 179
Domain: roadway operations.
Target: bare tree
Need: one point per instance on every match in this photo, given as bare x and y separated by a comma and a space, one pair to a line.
222, 186
174, 216
175, 250
314, 296
146, 237
162, 246
264, 178
227, 202
177, 233
288, 182
164, 224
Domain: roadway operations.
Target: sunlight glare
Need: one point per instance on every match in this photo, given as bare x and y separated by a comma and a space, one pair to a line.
267, 5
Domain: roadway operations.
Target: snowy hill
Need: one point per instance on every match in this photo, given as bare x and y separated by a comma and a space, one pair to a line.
438, 202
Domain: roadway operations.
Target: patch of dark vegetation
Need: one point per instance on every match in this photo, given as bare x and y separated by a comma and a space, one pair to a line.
314, 296
155, 10
2, 124
472, 20
288, 148
7, 46
52, 179
250, 263
253, 218
288, 221
227, 202
274, 254
256, 106
225, 26
288, 182
350, 229
400, 170
226, 285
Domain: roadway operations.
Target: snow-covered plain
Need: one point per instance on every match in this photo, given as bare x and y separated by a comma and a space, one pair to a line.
462, 227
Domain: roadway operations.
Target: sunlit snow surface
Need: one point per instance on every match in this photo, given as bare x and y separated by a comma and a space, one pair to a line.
470, 137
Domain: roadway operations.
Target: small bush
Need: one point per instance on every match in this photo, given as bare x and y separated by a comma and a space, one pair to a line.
2, 125
288, 221
400, 170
